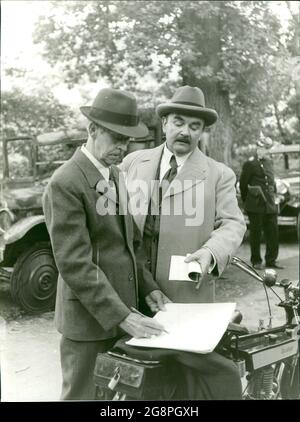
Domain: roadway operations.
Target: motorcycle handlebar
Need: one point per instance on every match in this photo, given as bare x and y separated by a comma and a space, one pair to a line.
269, 277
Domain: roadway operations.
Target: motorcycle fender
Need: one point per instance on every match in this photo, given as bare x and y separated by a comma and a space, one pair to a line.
21, 227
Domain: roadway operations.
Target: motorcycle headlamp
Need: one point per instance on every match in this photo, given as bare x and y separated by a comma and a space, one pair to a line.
6, 219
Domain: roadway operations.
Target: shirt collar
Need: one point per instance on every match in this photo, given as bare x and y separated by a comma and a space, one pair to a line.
180, 160
102, 169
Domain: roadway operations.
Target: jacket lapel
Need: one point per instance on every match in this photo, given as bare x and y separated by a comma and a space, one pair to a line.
193, 172
147, 170
123, 205
93, 176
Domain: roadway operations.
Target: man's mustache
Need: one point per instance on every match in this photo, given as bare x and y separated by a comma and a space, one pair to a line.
184, 139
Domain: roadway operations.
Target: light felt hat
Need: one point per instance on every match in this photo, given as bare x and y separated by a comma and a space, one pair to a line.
264, 142
116, 110
188, 100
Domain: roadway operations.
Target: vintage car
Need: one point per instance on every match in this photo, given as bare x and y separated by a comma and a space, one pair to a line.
26, 259
286, 160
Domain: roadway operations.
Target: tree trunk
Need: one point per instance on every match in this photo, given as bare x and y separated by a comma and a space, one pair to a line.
220, 134
220, 141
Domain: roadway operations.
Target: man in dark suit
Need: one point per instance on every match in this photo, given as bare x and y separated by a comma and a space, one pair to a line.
95, 246
258, 190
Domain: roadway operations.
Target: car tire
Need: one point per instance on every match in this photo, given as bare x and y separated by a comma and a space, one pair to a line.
34, 279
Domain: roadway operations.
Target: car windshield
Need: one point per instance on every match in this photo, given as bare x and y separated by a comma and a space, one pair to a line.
26, 160
50, 157
19, 159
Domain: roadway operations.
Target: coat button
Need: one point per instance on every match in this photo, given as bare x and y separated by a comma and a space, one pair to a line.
130, 277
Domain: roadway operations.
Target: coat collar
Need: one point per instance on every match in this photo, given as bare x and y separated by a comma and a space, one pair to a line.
91, 173
93, 176
148, 165
194, 169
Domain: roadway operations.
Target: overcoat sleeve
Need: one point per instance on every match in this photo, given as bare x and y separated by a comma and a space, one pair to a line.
229, 227
66, 222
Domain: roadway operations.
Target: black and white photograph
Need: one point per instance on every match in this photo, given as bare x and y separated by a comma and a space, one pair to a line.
149, 203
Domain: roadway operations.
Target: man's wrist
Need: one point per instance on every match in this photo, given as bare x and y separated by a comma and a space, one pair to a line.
213, 260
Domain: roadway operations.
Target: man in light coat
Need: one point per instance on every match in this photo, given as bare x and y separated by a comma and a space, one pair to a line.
185, 203
207, 222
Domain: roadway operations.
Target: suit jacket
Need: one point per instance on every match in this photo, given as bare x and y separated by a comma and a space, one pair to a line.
94, 253
257, 172
203, 193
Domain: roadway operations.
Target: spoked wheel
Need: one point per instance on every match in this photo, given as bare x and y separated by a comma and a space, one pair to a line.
34, 279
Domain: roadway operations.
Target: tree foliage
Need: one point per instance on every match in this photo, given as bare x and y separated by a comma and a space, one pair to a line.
31, 114
232, 50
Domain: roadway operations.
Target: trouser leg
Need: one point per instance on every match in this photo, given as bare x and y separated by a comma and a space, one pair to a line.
78, 360
255, 237
217, 377
271, 235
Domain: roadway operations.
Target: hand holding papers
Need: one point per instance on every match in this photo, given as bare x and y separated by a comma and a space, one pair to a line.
192, 327
180, 270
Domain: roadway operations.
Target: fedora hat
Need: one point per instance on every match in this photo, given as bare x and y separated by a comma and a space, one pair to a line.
116, 110
188, 100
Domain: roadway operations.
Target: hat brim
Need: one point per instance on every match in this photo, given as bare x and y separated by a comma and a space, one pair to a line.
262, 145
209, 115
139, 131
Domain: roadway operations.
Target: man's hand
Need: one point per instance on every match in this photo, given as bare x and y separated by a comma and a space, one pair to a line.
204, 257
141, 326
156, 300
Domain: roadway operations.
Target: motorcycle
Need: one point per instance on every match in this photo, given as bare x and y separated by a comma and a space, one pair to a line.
267, 359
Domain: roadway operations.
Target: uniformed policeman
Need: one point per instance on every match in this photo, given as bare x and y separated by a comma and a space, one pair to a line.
258, 190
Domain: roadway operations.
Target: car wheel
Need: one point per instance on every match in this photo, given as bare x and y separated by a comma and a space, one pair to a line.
34, 279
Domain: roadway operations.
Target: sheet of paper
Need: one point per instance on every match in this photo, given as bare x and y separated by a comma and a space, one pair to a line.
180, 270
193, 327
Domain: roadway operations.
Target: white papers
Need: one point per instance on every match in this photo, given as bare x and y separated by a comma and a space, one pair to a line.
193, 327
180, 270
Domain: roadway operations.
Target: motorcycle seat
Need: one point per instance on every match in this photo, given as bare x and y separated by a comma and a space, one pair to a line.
142, 354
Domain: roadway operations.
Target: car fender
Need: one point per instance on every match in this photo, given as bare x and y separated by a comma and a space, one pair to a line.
294, 203
21, 227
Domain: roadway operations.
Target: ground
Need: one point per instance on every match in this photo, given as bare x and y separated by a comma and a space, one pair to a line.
29, 345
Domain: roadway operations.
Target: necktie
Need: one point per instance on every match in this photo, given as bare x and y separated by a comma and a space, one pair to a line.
152, 226
169, 176
114, 187
111, 177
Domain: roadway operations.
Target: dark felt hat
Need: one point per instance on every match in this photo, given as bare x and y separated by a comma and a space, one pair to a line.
116, 110
188, 100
